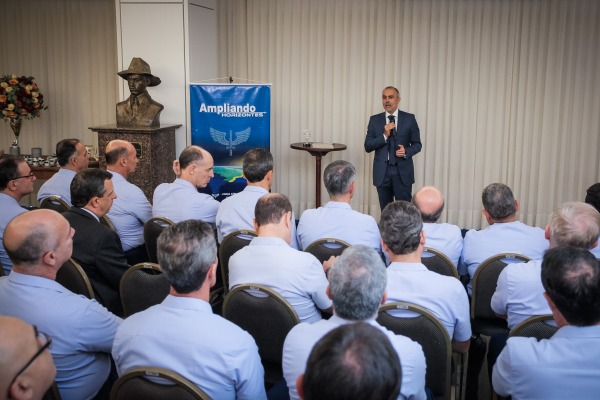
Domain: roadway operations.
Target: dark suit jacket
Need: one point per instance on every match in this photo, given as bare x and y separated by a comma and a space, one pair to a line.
407, 134
98, 250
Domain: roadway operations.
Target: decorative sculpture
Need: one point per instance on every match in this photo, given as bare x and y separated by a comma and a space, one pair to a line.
139, 110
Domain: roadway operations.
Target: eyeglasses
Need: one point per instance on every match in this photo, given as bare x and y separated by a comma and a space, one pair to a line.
46, 339
30, 175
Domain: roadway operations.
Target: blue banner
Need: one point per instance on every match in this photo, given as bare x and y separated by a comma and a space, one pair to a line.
227, 121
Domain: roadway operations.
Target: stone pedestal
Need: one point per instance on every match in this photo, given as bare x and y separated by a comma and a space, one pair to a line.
156, 151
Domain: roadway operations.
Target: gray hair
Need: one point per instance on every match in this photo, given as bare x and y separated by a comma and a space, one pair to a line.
357, 281
575, 224
338, 177
185, 253
400, 227
498, 201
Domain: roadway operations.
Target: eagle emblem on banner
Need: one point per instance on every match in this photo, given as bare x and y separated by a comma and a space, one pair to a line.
229, 143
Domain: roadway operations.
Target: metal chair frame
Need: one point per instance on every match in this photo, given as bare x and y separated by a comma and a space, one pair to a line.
448, 269
537, 323
50, 203
149, 237
323, 253
236, 242
135, 269
80, 273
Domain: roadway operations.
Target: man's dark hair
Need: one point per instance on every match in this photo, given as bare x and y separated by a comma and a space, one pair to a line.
113, 156
185, 253
571, 278
270, 208
338, 177
257, 164
189, 155
65, 149
354, 361
400, 227
87, 184
9, 169
593, 196
498, 201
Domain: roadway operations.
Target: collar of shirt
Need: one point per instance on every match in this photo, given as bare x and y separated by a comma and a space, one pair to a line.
338, 204
8, 199
33, 280
67, 172
336, 319
186, 303
91, 213
395, 114
256, 189
402, 266
268, 241
116, 176
577, 332
143, 98
183, 182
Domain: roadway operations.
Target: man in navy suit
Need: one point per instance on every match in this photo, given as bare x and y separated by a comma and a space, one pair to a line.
395, 137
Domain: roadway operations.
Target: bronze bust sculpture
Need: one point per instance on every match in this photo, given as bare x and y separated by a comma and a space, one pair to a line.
139, 109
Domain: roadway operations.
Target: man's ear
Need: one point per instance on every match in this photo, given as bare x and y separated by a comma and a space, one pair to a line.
547, 232
300, 386
516, 205
328, 291
21, 388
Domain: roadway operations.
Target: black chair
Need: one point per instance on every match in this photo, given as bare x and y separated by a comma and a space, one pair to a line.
54, 203
433, 337
327, 247
439, 263
483, 319
268, 318
53, 393
535, 327
152, 229
135, 385
229, 246
74, 278
142, 286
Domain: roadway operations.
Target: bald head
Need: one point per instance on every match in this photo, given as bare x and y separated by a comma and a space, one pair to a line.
38, 239
430, 202
121, 156
18, 345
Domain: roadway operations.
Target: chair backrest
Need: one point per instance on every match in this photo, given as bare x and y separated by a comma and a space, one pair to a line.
142, 286
74, 278
334, 247
429, 332
535, 327
152, 229
268, 317
439, 263
54, 203
230, 244
53, 393
108, 223
135, 385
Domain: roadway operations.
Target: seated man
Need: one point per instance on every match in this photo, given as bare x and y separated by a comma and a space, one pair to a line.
16, 181
592, 197
26, 366
337, 219
131, 209
237, 211
504, 235
410, 281
180, 200
566, 366
357, 282
96, 247
443, 237
519, 292
182, 334
353, 362
270, 261
38, 243
72, 156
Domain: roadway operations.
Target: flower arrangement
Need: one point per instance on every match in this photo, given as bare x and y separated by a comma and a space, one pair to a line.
20, 98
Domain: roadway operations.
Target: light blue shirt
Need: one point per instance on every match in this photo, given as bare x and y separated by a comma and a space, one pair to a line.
82, 330
129, 212
339, 221
180, 201
10, 209
596, 250
301, 339
237, 212
566, 366
519, 293
183, 335
444, 296
295, 275
59, 184
505, 237
445, 238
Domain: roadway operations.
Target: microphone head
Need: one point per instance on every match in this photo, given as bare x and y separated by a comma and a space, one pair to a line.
391, 118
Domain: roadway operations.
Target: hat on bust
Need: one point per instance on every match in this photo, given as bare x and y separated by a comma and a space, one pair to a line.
140, 67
